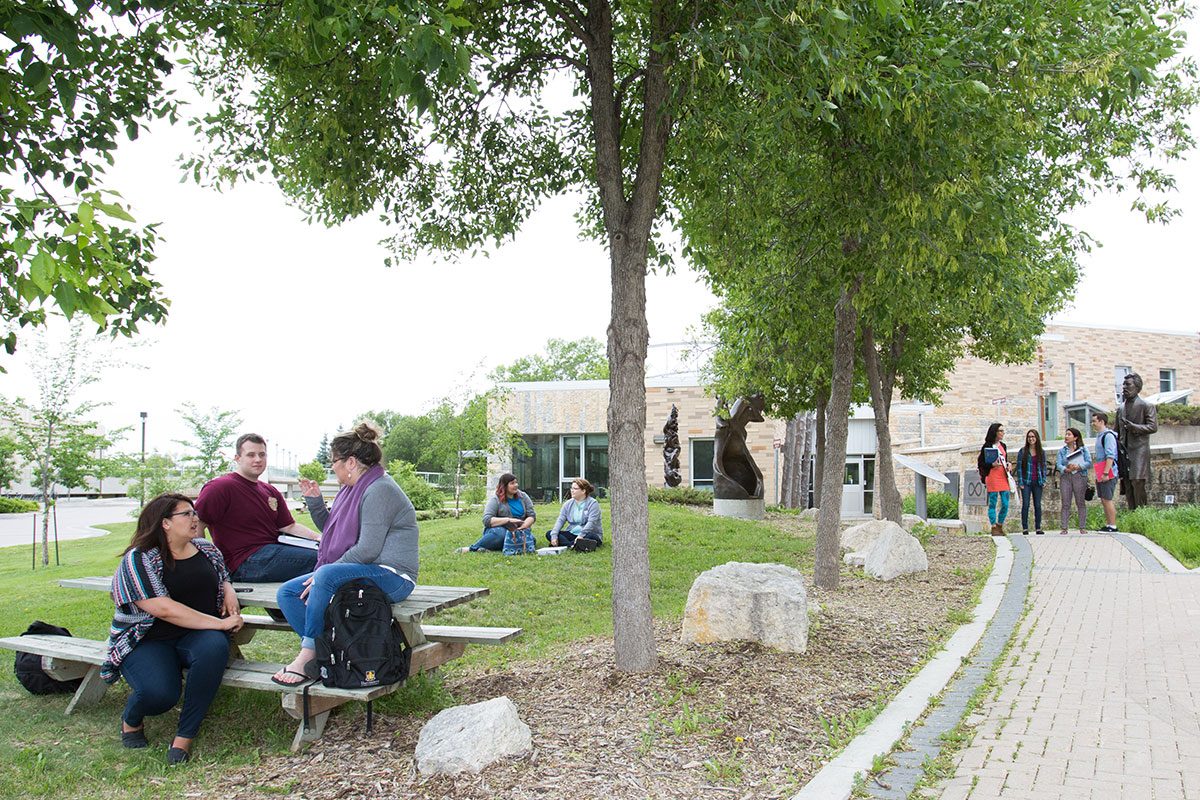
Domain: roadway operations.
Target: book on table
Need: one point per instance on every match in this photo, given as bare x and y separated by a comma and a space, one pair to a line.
298, 541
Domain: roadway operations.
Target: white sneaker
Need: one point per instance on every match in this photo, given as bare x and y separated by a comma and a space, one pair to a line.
463, 550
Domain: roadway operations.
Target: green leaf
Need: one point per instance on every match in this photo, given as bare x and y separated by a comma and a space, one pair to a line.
114, 210
981, 87
42, 271
837, 13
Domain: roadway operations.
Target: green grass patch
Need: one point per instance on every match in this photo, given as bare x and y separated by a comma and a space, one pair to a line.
555, 599
1176, 530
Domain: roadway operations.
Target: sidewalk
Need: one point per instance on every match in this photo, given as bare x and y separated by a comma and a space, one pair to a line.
1100, 696
75, 520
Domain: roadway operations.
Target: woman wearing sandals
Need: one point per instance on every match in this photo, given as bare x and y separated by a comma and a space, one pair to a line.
1074, 460
175, 608
370, 533
994, 470
1031, 478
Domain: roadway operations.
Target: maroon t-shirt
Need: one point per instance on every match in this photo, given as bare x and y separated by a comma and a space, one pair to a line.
243, 515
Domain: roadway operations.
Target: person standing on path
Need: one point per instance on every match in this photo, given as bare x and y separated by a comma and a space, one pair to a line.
1136, 420
1031, 478
994, 470
1073, 463
1105, 464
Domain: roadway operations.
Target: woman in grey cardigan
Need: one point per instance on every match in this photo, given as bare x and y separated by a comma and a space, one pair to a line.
508, 509
370, 533
578, 525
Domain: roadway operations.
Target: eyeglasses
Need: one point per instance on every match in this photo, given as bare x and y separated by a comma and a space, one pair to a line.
336, 460
191, 512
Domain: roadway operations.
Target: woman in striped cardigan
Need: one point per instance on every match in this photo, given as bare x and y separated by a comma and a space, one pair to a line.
175, 608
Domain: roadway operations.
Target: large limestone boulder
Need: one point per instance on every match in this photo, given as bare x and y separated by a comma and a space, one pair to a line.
468, 738
860, 537
893, 554
764, 603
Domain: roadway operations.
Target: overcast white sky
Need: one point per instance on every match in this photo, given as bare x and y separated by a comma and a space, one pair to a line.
300, 327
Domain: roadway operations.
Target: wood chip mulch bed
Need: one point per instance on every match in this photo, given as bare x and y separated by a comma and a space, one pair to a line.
720, 721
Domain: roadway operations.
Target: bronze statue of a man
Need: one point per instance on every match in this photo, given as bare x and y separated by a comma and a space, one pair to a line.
1136, 420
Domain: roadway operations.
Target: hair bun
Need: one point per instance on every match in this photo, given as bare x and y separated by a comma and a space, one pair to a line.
367, 431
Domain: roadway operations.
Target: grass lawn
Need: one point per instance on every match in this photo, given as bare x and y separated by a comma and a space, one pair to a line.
555, 599
1176, 530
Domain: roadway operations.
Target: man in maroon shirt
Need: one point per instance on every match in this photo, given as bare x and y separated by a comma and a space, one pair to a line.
246, 516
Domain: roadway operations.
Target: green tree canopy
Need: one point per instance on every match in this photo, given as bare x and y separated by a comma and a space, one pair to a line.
563, 360
76, 78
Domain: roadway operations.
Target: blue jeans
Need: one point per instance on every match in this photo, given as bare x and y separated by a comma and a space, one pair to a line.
993, 517
307, 616
154, 671
274, 563
1034, 490
492, 539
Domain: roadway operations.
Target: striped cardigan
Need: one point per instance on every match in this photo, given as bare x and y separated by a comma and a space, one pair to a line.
140, 577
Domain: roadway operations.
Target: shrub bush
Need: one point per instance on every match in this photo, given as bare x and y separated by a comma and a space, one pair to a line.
314, 471
424, 496
681, 496
1176, 414
941, 505
13, 505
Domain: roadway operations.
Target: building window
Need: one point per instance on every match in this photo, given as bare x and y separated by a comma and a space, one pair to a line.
1119, 373
702, 463
1074, 395
1166, 380
868, 484
1050, 416
537, 472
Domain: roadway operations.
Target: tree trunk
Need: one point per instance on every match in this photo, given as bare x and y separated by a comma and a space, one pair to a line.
822, 417
885, 471
828, 566
786, 495
805, 464
628, 221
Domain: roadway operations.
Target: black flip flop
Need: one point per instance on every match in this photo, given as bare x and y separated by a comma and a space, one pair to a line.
304, 678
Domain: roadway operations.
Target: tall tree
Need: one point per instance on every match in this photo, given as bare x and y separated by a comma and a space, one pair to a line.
211, 432
9, 470
444, 119
76, 78
563, 360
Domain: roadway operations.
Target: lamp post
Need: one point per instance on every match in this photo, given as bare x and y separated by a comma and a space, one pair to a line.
142, 490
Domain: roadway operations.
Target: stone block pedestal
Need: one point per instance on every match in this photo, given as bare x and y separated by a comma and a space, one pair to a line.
740, 509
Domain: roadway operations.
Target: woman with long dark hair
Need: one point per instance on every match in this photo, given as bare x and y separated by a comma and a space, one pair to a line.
1074, 460
175, 608
993, 470
509, 515
1031, 478
370, 534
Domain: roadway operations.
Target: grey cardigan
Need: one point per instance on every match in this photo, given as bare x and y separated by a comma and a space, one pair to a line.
387, 527
591, 519
492, 509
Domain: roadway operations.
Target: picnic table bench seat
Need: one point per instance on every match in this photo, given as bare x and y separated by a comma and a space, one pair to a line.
67, 658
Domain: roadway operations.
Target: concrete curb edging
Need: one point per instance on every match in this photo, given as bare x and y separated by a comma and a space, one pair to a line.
835, 781
1169, 562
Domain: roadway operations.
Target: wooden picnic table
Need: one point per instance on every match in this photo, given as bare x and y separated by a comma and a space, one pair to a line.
65, 658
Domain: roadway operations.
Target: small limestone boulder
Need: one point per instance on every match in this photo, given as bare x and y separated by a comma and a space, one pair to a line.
862, 536
764, 603
468, 738
854, 559
908, 521
810, 513
895, 553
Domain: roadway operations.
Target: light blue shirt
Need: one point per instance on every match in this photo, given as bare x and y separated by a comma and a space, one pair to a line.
1106, 447
1084, 453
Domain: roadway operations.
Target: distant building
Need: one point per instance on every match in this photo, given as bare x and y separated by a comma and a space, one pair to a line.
1077, 371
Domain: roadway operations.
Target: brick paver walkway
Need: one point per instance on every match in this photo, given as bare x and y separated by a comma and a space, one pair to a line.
1100, 694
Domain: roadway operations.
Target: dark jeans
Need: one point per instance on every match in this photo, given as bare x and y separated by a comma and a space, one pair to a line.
565, 537
1036, 491
276, 563
154, 671
492, 539
307, 615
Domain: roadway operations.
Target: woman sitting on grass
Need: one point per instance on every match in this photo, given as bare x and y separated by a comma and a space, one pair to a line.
508, 514
175, 609
578, 525
370, 533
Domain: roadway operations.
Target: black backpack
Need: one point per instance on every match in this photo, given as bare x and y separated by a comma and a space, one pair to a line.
362, 644
28, 666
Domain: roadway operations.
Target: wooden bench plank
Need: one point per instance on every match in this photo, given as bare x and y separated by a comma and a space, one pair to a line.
468, 634
70, 648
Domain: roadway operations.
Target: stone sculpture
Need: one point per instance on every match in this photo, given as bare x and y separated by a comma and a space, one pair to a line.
671, 450
735, 475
